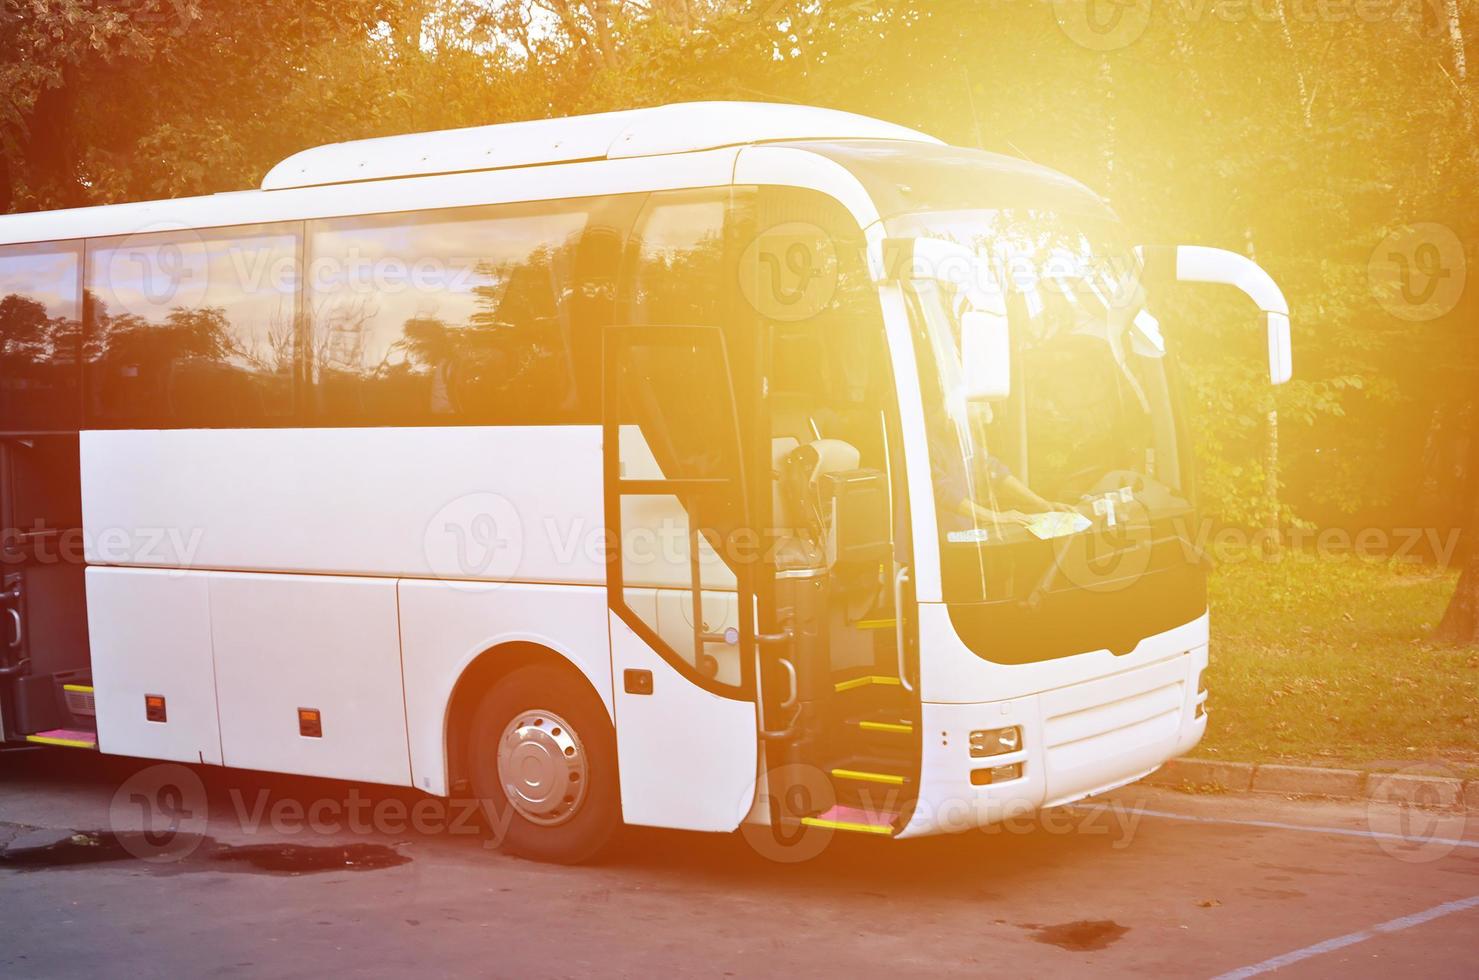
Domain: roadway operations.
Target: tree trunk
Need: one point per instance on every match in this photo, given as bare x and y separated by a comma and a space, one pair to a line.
1456, 41
50, 158
409, 26
1305, 101
1460, 623
1271, 480
1111, 131
1271, 521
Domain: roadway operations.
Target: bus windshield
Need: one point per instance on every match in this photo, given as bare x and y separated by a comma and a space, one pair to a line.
1082, 458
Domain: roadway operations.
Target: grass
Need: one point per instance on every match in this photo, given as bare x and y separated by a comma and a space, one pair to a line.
1325, 661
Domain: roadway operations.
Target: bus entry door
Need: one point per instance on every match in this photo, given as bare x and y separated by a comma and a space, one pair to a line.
681, 606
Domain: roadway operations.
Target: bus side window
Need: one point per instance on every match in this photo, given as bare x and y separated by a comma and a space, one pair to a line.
456, 317
192, 328
39, 336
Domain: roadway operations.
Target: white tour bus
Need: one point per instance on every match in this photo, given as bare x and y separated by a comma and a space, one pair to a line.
690, 467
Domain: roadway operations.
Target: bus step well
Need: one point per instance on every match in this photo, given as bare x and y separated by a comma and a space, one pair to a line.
854, 820
65, 737
80, 700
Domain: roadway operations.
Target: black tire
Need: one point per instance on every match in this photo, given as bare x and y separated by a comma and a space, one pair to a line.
547, 688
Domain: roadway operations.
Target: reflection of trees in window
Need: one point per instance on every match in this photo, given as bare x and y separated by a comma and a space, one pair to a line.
38, 362
28, 333
509, 359
39, 337
192, 329
681, 286
514, 350
193, 366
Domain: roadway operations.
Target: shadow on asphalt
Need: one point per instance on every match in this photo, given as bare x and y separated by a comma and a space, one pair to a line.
977, 864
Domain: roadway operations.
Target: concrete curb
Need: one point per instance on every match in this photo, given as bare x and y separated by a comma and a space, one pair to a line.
1340, 783
1231, 777
1347, 784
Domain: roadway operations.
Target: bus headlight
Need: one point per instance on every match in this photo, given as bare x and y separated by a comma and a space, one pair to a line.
995, 741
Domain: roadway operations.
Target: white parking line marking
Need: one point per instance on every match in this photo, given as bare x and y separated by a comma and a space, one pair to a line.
1350, 939
1275, 825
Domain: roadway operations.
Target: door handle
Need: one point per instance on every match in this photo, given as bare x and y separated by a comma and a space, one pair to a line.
901, 576
789, 732
791, 677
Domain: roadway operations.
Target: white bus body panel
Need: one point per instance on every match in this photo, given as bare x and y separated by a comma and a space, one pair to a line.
507, 503
284, 642
150, 632
373, 505
445, 626
687, 757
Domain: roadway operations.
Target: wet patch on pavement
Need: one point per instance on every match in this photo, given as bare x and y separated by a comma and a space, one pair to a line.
1085, 935
301, 859
194, 853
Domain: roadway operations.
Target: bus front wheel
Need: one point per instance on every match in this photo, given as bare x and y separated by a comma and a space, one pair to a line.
542, 761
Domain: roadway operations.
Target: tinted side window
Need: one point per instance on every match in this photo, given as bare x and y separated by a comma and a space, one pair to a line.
677, 279
474, 316
678, 274
39, 336
192, 328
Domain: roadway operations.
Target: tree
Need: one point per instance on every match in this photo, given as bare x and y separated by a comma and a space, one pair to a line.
149, 98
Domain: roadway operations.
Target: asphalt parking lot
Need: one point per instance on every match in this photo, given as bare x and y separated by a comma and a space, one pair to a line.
300, 877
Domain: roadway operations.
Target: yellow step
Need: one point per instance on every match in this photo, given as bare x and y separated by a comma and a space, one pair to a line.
901, 727
78, 688
857, 682
65, 738
859, 776
856, 828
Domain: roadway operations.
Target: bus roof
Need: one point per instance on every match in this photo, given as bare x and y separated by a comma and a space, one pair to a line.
451, 168
612, 152
681, 128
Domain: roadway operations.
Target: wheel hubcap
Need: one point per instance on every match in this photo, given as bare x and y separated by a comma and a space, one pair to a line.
542, 767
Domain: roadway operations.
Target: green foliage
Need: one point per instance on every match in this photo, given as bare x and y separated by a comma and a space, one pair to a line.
1303, 140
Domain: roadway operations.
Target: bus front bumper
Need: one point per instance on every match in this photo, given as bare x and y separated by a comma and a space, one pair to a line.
1076, 741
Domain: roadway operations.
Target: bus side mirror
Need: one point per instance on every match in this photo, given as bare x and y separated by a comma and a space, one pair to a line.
1197, 263
985, 356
